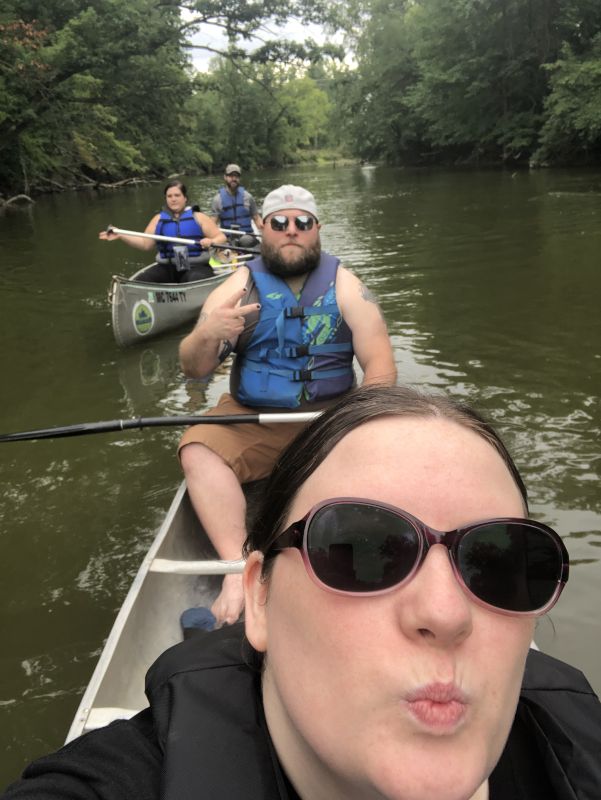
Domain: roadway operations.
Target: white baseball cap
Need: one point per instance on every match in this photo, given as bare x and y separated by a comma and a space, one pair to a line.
289, 196
233, 168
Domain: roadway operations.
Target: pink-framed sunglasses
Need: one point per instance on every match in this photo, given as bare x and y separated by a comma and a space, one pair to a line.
359, 547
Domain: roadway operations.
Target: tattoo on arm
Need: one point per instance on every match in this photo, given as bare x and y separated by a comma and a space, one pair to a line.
370, 297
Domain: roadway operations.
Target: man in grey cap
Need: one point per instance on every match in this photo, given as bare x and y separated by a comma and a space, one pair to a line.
294, 317
233, 207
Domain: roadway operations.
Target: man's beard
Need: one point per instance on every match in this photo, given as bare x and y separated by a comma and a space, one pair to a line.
307, 261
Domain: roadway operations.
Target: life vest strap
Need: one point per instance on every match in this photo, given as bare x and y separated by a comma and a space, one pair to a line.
299, 350
294, 312
303, 375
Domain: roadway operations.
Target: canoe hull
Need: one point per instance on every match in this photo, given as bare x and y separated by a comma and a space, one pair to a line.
181, 570
148, 621
141, 310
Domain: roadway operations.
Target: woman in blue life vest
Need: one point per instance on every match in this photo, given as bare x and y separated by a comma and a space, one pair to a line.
176, 263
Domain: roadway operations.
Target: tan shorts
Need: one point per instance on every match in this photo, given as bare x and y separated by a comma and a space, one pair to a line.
250, 449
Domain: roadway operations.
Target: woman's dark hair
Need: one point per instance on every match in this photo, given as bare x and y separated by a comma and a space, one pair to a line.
310, 448
178, 185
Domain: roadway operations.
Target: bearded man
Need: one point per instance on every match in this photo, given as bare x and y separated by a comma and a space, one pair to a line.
233, 206
294, 317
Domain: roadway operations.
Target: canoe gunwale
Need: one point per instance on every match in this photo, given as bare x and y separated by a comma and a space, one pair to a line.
181, 553
87, 701
122, 280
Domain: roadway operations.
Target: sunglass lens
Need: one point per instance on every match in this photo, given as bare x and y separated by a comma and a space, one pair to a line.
304, 222
359, 548
278, 222
511, 566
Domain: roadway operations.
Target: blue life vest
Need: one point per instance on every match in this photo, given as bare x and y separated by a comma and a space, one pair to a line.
300, 351
186, 227
233, 211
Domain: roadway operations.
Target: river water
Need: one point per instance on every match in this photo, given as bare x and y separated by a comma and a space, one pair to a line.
490, 284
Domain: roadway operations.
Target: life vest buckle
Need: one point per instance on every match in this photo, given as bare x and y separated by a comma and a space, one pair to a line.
302, 375
296, 351
294, 312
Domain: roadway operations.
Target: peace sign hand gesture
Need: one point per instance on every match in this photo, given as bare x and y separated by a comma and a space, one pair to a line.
227, 321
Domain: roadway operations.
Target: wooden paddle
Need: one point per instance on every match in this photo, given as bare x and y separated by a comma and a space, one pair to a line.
109, 426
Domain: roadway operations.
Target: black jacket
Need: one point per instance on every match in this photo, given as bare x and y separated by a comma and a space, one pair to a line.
204, 737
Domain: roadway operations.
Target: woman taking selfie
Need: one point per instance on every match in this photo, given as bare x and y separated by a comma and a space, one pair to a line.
392, 585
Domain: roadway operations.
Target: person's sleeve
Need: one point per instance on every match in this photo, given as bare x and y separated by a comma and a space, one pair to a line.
564, 714
216, 207
252, 206
119, 762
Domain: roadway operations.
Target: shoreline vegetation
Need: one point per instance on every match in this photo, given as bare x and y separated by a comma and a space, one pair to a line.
23, 200
100, 93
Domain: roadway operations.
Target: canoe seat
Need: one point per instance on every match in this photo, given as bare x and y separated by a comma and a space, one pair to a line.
99, 717
212, 567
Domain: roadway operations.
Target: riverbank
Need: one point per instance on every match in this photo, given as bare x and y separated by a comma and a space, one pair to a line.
46, 186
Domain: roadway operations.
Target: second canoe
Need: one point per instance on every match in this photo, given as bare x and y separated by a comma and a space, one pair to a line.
141, 309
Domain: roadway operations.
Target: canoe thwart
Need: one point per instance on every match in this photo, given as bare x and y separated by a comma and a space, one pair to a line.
214, 567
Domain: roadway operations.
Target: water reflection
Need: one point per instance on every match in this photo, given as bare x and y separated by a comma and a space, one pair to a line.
154, 384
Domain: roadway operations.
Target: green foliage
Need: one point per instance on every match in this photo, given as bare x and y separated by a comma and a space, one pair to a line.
447, 80
102, 89
572, 128
73, 77
264, 114
375, 118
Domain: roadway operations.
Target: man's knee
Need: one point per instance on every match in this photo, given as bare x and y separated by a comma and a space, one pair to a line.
195, 457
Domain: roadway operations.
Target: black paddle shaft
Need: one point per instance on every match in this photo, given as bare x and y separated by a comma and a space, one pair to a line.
109, 426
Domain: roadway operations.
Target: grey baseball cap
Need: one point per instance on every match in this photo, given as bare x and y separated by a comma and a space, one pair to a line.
289, 196
233, 168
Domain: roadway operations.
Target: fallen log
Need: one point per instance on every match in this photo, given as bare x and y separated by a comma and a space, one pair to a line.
17, 200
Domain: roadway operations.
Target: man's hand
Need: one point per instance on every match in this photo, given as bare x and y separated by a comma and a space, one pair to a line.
230, 603
227, 321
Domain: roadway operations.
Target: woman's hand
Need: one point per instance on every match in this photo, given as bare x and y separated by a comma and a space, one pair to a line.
108, 235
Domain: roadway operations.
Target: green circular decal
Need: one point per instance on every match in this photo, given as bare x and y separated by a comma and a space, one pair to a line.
143, 317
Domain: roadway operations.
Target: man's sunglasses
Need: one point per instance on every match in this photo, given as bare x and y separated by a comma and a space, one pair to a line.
279, 222
361, 547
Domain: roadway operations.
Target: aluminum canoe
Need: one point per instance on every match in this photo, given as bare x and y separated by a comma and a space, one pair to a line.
179, 571
141, 309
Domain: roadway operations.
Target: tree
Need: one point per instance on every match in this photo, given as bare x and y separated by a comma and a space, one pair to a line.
71, 86
95, 89
374, 115
572, 127
263, 113
447, 80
